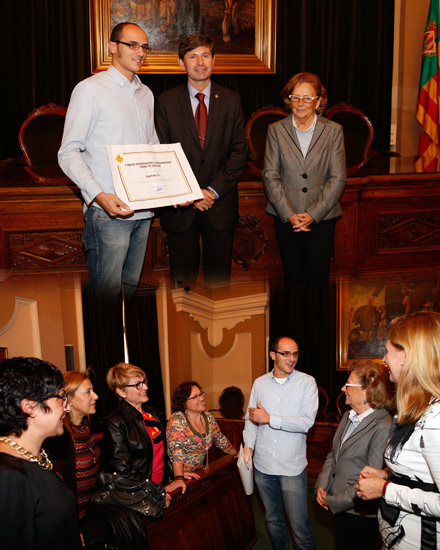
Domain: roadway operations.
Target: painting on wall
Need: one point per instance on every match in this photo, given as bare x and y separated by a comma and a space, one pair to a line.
366, 307
244, 31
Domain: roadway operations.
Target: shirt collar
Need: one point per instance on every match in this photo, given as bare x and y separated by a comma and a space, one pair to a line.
122, 80
288, 378
357, 419
192, 91
312, 127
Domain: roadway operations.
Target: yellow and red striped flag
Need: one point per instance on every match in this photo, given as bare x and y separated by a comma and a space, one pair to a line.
428, 102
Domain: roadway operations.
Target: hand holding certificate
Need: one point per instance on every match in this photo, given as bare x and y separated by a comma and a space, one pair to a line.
151, 176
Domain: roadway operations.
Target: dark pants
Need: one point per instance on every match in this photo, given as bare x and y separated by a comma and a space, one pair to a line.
357, 532
306, 255
184, 250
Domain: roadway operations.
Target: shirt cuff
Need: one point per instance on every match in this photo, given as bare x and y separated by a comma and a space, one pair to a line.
214, 191
275, 422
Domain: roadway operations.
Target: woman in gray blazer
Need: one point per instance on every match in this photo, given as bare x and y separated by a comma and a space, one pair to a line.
304, 176
359, 440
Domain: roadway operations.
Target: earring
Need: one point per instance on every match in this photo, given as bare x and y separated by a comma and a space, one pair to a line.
365, 401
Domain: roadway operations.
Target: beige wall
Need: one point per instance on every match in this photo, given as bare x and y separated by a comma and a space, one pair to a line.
218, 339
410, 21
40, 314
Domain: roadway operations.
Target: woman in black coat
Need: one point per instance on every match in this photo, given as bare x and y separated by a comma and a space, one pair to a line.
134, 439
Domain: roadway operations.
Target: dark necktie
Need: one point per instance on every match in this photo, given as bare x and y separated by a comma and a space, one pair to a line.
201, 119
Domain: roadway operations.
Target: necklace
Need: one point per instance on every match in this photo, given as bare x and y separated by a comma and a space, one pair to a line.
203, 436
44, 462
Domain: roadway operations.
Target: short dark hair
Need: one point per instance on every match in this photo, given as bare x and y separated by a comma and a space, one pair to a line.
192, 41
181, 394
118, 30
275, 343
25, 378
313, 80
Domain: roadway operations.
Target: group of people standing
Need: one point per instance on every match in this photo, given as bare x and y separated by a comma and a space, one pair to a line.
304, 173
379, 476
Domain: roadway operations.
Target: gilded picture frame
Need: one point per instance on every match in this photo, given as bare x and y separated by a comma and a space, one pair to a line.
365, 307
244, 32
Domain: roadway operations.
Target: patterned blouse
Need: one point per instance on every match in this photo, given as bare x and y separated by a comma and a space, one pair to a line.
187, 445
87, 461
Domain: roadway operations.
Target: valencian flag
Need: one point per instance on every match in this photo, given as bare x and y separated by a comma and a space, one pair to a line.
428, 103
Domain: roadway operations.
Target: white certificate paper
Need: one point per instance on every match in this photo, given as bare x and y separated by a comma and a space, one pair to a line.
151, 176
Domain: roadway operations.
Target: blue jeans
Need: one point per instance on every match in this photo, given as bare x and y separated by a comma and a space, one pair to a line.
115, 252
286, 495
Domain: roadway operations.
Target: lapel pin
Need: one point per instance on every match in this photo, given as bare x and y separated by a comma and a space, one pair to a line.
216, 96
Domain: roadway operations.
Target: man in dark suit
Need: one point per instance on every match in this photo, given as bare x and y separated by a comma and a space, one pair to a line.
208, 121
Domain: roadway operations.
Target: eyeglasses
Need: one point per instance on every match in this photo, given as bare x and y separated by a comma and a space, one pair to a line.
307, 99
354, 385
138, 385
62, 396
288, 353
201, 394
135, 46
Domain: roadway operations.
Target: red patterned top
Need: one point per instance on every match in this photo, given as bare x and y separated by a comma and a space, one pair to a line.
88, 461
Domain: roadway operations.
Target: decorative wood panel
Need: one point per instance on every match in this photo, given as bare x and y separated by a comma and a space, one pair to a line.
213, 513
389, 222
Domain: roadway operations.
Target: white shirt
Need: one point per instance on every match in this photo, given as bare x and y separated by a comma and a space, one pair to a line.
105, 109
280, 446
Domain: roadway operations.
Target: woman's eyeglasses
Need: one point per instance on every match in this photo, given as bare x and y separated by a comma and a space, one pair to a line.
138, 385
307, 99
201, 394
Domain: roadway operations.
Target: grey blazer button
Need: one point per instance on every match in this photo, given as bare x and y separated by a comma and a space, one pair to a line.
304, 175
304, 189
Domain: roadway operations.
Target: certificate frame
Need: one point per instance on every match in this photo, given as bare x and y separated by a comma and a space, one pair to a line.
104, 15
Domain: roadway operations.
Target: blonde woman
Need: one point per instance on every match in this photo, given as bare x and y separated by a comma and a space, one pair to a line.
134, 439
76, 454
409, 510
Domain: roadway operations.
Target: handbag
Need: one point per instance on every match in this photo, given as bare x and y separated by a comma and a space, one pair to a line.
145, 497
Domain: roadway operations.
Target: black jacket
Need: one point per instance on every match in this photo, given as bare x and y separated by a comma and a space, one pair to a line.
128, 449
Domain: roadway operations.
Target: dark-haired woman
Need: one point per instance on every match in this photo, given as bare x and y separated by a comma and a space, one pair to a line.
191, 431
37, 510
359, 440
409, 510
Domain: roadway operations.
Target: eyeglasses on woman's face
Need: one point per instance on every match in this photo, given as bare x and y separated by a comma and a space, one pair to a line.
138, 385
307, 99
201, 394
62, 396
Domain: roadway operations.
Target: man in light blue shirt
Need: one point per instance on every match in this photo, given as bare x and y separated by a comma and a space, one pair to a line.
110, 108
282, 409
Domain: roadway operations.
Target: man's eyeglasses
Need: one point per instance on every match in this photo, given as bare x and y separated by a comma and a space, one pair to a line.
201, 394
288, 353
307, 99
135, 46
62, 396
138, 385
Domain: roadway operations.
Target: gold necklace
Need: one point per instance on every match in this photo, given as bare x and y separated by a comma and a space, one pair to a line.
44, 462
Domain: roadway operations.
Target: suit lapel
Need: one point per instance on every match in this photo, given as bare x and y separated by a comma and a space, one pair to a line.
356, 433
216, 103
319, 129
293, 139
186, 110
